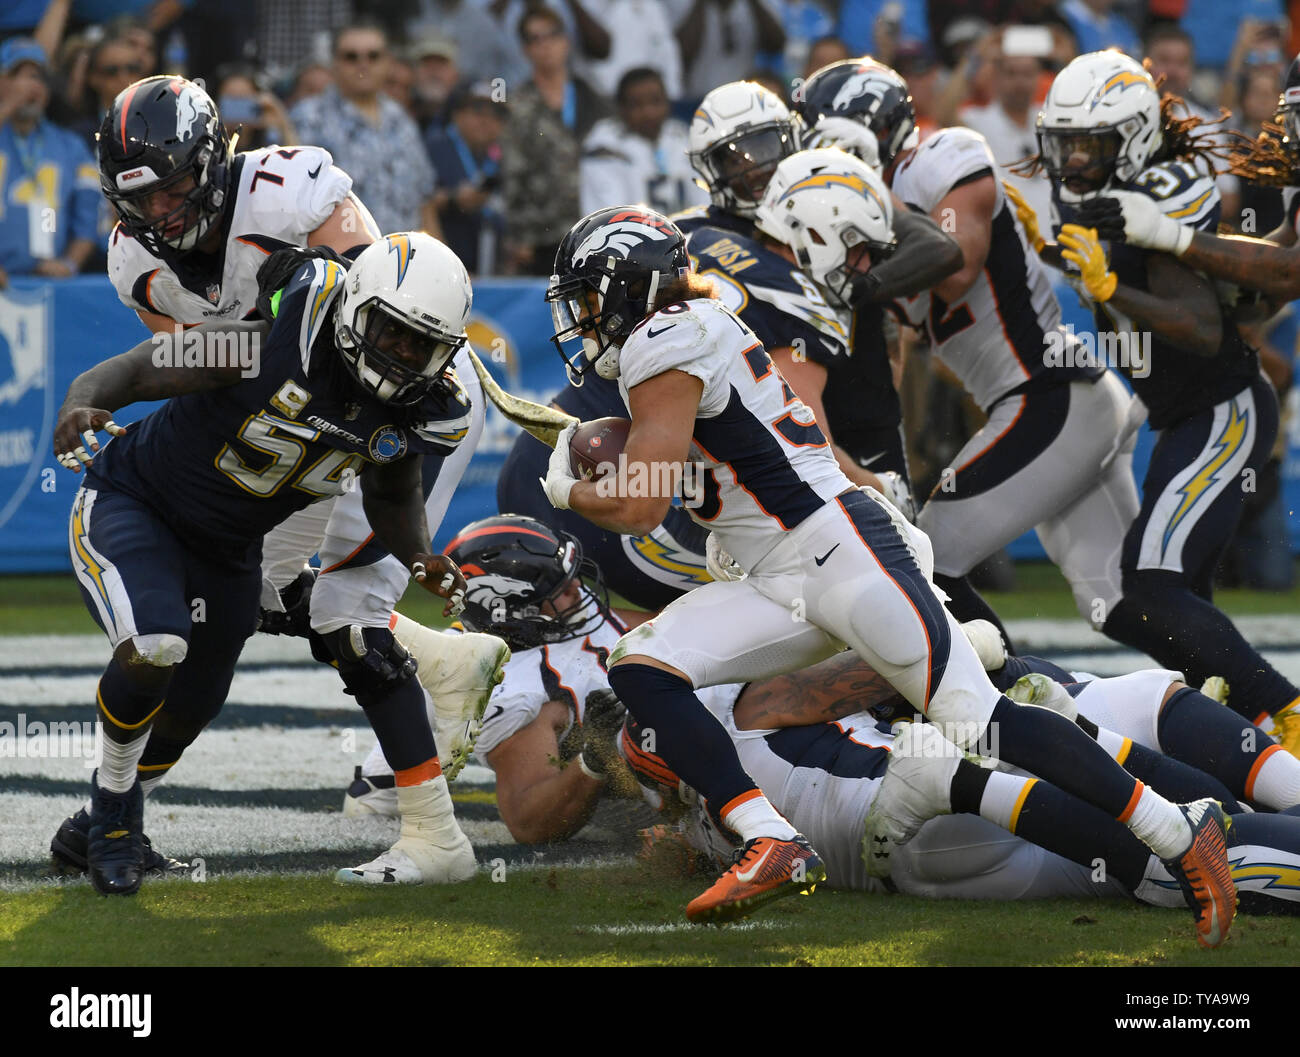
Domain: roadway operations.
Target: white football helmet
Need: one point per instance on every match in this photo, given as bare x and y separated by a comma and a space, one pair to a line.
830, 208
1099, 124
738, 135
402, 315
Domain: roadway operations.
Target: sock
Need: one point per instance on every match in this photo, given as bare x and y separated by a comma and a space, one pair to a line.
754, 816
401, 725
1201, 732
150, 783
965, 603
1274, 781
116, 771
1161, 617
1158, 823
687, 736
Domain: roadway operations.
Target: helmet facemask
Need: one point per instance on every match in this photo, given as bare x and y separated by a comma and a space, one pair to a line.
201, 208
601, 313
736, 170
1081, 161
399, 359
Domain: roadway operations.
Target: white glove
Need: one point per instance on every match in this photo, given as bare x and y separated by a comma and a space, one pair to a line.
897, 491
559, 479
721, 565
848, 135
1146, 226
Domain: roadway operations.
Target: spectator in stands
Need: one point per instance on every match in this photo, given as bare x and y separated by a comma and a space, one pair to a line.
1009, 123
720, 40
1258, 46
1096, 27
1169, 51
244, 99
916, 64
49, 185
823, 52
466, 157
640, 34
488, 52
550, 116
112, 65
399, 85
640, 155
436, 77
862, 20
1214, 25
805, 23
1261, 207
311, 78
369, 135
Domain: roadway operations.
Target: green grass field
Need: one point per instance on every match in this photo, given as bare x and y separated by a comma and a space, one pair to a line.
606, 916
593, 915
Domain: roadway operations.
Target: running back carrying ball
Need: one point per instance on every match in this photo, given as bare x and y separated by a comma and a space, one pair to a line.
596, 446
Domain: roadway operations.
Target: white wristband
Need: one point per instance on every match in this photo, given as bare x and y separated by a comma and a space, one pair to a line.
589, 772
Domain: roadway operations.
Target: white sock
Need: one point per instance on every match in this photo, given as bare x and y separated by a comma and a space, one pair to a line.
152, 782
1003, 797
1276, 780
756, 817
1160, 825
117, 769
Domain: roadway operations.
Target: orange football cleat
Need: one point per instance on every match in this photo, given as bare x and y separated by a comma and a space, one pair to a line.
764, 870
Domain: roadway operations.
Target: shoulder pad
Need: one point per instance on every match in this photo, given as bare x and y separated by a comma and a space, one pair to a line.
1182, 192
288, 192
947, 159
305, 302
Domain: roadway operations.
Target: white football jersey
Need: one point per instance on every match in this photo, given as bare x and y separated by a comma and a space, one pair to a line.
994, 338
566, 672
282, 195
763, 464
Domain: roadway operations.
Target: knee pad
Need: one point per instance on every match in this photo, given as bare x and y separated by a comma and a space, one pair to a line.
371, 661
160, 651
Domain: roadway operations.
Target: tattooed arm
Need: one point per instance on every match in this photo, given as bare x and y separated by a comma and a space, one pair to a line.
1272, 267
828, 691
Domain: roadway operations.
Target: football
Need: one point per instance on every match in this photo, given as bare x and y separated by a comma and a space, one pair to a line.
596, 446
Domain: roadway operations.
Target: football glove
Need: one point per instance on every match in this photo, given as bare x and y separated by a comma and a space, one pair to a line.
721, 565
278, 269
898, 492
1082, 248
559, 479
602, 724
1026, 215
1134, 218
848, 135
295, 617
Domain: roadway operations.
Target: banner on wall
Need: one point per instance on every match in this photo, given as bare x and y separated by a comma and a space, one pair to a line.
51, 332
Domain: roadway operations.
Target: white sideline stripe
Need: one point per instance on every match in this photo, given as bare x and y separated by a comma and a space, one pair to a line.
1034, 635
189, 831
767, 925
312, 688
249, 758
25, 651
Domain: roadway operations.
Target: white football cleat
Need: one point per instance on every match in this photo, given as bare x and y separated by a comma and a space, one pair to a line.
460, 673
371, 794
432, 848
915, 789
1044, 691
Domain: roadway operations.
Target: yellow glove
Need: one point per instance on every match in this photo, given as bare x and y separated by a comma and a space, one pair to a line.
1084, 250
1026, 215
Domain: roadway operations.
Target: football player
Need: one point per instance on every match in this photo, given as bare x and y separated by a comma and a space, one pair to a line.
166, 533
828, 564
196, 222
1055, 454
1026, 842
840, 358
1105, 127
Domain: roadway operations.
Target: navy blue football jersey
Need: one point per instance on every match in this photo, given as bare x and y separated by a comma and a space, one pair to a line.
1172, 382
225, 466
713, 217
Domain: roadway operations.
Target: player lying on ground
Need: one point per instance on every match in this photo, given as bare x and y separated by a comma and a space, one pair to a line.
196, 222
843, 563
1021, 839
166, 532
1105, 127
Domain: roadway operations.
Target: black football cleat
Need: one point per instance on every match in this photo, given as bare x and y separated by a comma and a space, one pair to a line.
69, 849
115, 844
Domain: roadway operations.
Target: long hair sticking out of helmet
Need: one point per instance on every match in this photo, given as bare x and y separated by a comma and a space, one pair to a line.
1272, 159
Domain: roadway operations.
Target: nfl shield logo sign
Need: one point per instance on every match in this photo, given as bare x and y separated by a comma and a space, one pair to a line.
26, 394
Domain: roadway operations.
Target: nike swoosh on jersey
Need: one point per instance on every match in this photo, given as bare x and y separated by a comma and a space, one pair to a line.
823, 559
655, 333
498, 711
313, 173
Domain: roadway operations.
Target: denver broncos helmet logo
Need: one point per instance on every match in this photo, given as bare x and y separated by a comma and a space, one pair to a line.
854, 88
623, 233
188, 112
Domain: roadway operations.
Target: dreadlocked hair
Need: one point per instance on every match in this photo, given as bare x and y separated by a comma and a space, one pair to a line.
1264, 160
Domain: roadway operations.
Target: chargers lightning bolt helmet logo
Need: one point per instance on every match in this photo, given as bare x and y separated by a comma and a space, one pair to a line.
401, 245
